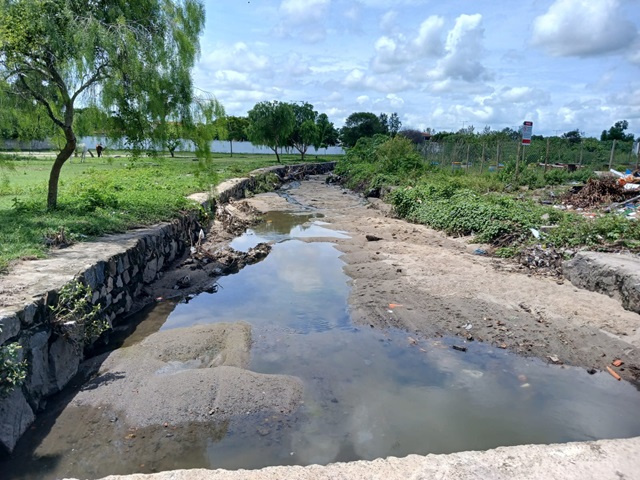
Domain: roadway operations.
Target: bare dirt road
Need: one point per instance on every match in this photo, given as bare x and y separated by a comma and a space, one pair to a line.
411, 277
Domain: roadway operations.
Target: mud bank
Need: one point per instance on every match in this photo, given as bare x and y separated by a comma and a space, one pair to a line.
411, 277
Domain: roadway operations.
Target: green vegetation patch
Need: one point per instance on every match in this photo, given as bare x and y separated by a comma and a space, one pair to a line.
112, 196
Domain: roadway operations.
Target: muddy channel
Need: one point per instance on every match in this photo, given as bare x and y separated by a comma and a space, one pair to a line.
352, 335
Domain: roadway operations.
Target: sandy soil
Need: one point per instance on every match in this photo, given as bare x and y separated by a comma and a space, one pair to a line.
418, 279
186, 375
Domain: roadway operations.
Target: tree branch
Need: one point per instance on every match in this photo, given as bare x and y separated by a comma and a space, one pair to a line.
43, 101
97, 77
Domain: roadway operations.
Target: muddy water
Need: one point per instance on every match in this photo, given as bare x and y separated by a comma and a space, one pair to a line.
368, 393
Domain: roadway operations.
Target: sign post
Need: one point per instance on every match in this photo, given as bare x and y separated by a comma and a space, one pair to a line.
527, 129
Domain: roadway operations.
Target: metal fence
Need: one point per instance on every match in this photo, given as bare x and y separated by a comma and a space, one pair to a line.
491, 156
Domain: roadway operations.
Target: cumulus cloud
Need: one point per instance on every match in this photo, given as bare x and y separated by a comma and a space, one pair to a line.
395, 50
583, 28
395, 101
428, 41
463, 49
239, 57
362, 99
388, 22
303, 19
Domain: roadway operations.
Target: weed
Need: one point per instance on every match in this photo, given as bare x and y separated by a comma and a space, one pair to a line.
74, 310
13, 371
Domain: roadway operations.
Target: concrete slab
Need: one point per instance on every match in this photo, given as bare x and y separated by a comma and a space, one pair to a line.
599, 460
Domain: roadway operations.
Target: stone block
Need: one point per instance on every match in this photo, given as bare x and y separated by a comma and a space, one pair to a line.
64, 359
150, 271
126, 278
16, 416
38, 380
113, 267
119, 282
120, 265
29, 314
10, 325
90, 278
109, 284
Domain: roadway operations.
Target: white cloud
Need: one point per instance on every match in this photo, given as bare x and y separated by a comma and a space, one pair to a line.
463, 50
395, 101
303, 19
388, 22
355, 79
239, 57
392, 51
428, 41
362, 99
583, 28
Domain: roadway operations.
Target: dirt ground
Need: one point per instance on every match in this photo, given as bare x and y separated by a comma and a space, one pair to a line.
411, 277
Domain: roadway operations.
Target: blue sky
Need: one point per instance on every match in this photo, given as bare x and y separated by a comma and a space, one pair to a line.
447, 64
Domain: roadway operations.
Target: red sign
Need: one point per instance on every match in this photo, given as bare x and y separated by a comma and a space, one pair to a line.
527, 130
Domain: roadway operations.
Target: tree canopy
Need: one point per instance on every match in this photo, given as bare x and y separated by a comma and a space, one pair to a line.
271, 124
127, 54
616, 132
362, 124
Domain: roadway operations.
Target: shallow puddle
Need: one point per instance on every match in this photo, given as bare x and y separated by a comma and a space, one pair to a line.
368, 393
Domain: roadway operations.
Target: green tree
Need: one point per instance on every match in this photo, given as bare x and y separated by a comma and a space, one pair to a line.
327, 134
61, 52
236, 130
209, 124
616, 132
394, 124
305, 130
271, 124
573, 137
361, 124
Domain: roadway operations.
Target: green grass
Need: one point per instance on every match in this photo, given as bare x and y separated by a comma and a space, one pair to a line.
499, 208
106, 195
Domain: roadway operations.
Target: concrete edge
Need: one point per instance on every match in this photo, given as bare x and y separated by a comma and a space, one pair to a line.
594, 460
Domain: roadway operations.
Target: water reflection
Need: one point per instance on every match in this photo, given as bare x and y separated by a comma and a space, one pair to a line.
368, 393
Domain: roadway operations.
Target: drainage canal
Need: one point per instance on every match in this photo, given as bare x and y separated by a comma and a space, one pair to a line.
367, 393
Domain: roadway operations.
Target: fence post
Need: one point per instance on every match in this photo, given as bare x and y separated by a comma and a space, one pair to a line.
613, 149
546, 157
518, 158
581, 147
497, 156
468, 150
482, 161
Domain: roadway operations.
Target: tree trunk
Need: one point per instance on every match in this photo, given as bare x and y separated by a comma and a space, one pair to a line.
54, 176
275, 149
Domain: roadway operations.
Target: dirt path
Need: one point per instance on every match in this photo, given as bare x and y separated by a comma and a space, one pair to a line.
437, 286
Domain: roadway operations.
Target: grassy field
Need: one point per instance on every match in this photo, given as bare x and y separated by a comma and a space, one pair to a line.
106, 195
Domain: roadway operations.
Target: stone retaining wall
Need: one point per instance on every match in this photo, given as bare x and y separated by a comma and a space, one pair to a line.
116, 268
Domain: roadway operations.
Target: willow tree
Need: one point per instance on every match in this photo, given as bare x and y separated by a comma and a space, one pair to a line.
64, 53
271, 124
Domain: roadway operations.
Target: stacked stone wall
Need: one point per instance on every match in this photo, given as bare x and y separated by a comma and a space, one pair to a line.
121, 267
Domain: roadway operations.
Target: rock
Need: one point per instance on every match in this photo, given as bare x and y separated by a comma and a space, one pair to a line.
615, 275
15, 417
64, 359
39, 382
10, 326
372, 238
